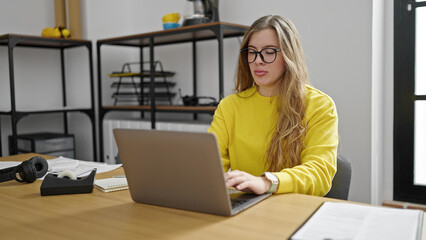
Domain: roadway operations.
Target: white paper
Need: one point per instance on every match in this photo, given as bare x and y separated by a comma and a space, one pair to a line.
60, 164
335, 220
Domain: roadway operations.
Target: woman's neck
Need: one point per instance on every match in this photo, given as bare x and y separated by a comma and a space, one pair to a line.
267, 91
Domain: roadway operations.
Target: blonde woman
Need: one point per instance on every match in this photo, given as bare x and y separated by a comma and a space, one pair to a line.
276, 133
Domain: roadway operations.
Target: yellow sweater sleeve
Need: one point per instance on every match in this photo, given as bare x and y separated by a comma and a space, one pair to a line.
315, 174
219, 128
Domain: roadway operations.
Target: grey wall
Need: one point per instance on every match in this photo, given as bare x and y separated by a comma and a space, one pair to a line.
336, 35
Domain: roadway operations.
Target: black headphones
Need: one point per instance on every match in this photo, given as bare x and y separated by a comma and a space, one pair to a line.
28, 171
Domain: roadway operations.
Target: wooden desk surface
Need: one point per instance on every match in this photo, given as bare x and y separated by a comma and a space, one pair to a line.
114, 215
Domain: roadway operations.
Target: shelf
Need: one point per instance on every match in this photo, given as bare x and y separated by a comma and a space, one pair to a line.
42, 42
49, 110
146, 95
145, 84
164, 108
11, 41
141, 74
216, 31
179, 35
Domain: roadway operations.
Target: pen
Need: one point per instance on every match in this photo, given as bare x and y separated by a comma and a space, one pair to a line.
119, 176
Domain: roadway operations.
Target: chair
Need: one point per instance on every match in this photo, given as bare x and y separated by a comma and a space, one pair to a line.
342, 180
118, 159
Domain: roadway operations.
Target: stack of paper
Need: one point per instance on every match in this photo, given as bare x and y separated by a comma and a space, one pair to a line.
335, 220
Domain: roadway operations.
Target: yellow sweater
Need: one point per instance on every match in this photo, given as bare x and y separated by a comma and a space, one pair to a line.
243, 122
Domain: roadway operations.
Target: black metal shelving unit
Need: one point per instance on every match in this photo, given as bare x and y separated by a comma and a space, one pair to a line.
188, 34
11, 41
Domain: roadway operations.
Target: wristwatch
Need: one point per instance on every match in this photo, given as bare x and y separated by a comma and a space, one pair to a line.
273, 179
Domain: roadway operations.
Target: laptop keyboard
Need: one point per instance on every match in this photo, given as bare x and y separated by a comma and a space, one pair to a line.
237, 202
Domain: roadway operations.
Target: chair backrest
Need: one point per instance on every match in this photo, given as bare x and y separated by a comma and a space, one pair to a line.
342, 180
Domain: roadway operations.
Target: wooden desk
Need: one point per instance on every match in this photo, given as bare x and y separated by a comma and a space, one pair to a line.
99, 215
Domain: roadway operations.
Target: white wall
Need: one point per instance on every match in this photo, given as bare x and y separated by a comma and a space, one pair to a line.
336, 35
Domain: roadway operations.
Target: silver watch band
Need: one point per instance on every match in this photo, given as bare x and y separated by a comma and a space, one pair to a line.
274, 181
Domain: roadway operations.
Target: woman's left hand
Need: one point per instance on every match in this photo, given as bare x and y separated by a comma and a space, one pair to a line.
246, 182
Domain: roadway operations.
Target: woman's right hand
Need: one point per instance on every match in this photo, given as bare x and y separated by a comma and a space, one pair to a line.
246, 182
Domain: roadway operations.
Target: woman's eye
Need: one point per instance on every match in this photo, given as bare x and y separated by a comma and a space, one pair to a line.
269, 51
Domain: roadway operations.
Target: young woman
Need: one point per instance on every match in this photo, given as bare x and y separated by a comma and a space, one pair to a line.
276, 134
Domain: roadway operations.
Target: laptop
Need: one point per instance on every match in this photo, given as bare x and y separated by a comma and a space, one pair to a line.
180, 170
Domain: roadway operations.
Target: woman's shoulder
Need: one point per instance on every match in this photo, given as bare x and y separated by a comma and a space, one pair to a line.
237, 97
317, 98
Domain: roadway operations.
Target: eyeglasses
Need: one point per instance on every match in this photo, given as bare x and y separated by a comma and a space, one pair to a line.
268, 56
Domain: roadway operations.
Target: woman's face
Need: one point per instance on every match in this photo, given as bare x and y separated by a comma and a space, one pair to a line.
266, 75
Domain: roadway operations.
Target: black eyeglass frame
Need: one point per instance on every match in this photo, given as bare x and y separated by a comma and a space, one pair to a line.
244, 52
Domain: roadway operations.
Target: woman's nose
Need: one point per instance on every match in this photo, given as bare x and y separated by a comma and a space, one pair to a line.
259, 59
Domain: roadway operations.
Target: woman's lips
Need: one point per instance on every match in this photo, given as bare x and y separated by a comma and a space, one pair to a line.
260, 72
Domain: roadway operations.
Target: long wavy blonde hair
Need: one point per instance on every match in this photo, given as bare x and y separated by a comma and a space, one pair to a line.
287, 140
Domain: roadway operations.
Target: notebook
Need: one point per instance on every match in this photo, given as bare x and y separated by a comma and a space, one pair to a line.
180, 170
111, 184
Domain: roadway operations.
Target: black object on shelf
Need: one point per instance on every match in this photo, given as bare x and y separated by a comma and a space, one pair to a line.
53, 144
11, 41
197, 101
201, 11
53, 185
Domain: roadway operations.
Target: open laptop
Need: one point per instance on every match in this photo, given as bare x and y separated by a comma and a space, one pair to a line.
179, 170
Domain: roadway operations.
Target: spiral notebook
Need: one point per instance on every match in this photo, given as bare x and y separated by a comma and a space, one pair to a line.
111, 184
